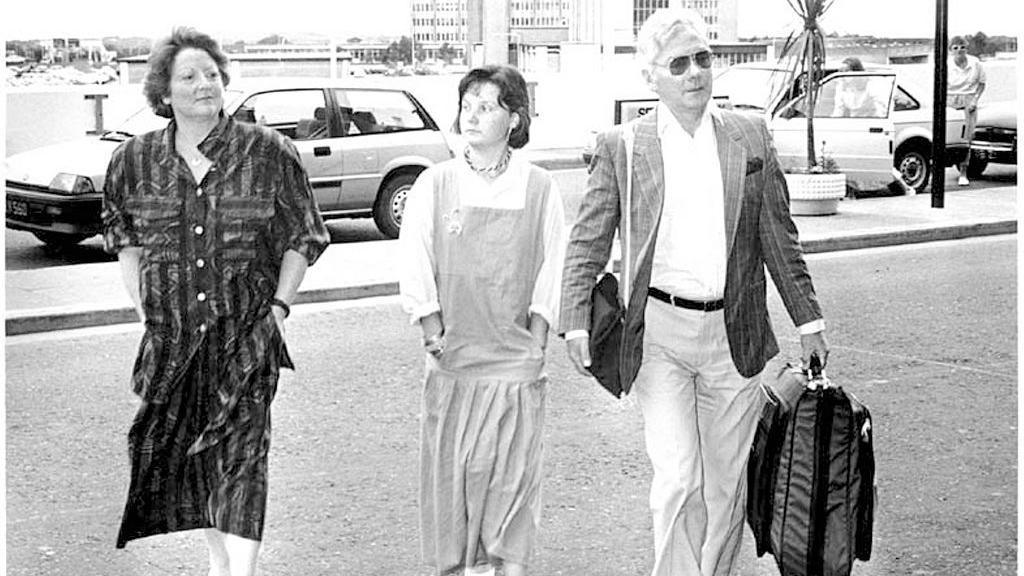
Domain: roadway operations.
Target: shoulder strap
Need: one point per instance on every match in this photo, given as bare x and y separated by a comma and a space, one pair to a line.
628, 134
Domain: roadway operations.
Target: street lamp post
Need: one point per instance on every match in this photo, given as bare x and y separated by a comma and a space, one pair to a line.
939, 103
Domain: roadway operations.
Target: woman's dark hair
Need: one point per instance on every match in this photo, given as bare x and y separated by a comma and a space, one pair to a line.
512, 96
157, 84
853, 64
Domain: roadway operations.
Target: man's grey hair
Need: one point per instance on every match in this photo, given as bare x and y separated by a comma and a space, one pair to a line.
662, 25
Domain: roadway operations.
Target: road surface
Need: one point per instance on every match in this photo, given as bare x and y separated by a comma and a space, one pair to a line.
924, 335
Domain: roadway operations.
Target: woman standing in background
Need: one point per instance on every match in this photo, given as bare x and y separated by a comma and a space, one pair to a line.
965, 81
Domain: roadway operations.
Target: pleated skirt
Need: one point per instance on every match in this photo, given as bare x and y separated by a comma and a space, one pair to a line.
480, 462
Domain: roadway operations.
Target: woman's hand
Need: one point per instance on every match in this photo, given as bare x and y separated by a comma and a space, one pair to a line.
539, 330
433, 334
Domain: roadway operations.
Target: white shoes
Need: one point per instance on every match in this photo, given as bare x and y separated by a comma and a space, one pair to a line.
963, 181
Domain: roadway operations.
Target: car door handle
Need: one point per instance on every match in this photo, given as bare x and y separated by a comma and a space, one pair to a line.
876, 130
322, 151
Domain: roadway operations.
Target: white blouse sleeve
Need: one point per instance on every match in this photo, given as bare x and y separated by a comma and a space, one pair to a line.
547, 291
416, 287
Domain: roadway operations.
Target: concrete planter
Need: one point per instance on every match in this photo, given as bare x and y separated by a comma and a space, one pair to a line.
815, 194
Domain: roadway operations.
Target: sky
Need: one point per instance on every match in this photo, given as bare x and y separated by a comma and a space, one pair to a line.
254, 19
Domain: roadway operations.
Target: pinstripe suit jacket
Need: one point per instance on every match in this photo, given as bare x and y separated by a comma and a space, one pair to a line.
759, 233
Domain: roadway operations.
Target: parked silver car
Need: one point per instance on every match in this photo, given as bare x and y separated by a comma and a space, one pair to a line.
362, 147
995, 137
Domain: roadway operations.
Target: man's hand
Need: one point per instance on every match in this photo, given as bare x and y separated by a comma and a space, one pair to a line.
579, 353
814, 344
278, 313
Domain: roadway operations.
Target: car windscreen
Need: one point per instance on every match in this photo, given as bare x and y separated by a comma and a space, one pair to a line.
145, 120
749, 88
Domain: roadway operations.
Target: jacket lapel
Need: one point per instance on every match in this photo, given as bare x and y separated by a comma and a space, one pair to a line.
649, 169
733, 159
648, 190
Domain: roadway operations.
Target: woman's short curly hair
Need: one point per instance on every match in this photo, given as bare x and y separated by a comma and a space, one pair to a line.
512, 95
157, 84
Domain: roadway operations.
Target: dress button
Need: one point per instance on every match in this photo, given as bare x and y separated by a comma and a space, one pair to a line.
200, 263
201, 296
202, 328
199, 191
199, 230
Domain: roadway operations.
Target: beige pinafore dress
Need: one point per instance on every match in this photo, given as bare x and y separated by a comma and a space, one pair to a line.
484, 400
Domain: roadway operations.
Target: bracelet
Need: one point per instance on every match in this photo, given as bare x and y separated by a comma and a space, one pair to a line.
282, 305
435, 344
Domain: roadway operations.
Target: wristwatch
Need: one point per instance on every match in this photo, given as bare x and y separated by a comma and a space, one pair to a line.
282, 305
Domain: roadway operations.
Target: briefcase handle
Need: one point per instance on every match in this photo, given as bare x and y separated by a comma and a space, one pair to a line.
815, 373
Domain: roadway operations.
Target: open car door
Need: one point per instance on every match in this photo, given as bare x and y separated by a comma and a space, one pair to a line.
852, 123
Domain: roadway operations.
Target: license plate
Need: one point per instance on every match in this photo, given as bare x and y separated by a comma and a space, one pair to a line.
17, 207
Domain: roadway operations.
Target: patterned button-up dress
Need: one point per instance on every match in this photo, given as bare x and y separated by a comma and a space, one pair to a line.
208, 363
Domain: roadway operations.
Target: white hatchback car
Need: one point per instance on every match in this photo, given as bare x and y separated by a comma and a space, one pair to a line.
868, 142
870, 148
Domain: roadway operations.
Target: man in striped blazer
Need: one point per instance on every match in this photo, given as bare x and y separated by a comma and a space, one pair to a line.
708, 212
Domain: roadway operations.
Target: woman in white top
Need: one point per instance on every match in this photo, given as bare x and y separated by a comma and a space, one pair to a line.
482, 245
965, 81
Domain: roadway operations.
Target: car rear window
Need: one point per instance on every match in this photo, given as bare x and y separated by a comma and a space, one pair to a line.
376, 111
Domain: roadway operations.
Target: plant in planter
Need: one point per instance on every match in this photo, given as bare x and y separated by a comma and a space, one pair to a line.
816, 189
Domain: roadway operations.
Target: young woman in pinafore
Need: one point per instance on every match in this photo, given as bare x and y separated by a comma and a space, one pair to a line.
482, 248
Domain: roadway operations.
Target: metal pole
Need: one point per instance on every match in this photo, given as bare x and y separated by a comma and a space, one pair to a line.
939, 104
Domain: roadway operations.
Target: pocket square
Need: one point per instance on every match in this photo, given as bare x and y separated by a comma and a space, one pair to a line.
754, 164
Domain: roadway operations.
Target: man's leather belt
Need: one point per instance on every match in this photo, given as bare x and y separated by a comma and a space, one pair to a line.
710, 306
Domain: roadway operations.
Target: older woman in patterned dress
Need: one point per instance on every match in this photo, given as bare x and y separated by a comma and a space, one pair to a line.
214, 224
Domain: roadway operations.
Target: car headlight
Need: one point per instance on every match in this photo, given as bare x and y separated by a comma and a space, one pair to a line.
72, 184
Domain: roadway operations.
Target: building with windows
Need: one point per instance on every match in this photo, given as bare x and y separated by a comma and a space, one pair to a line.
719, 15
539, 35
439, 29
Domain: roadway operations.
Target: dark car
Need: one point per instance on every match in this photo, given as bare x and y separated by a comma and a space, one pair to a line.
995, 137
362, 147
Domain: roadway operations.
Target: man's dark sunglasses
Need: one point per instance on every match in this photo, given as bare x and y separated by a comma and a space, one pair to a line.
680, 64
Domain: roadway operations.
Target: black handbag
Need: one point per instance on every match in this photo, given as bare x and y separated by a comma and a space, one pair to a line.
607, 316
607, 311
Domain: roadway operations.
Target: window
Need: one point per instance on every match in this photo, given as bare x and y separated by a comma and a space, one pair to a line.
298, 114
372, 112
857, 96
903, 101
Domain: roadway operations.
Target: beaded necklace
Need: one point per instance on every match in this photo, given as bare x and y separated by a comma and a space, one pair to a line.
494, 170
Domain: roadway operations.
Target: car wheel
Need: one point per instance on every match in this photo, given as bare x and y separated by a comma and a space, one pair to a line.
387, 211
977, 167
914, 168
58, 240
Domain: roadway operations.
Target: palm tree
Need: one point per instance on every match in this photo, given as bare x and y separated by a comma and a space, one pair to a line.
804, 56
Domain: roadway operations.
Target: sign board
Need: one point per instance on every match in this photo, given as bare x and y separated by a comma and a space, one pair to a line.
626, 110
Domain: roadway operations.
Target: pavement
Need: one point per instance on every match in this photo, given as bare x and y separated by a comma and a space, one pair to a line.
85, 295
